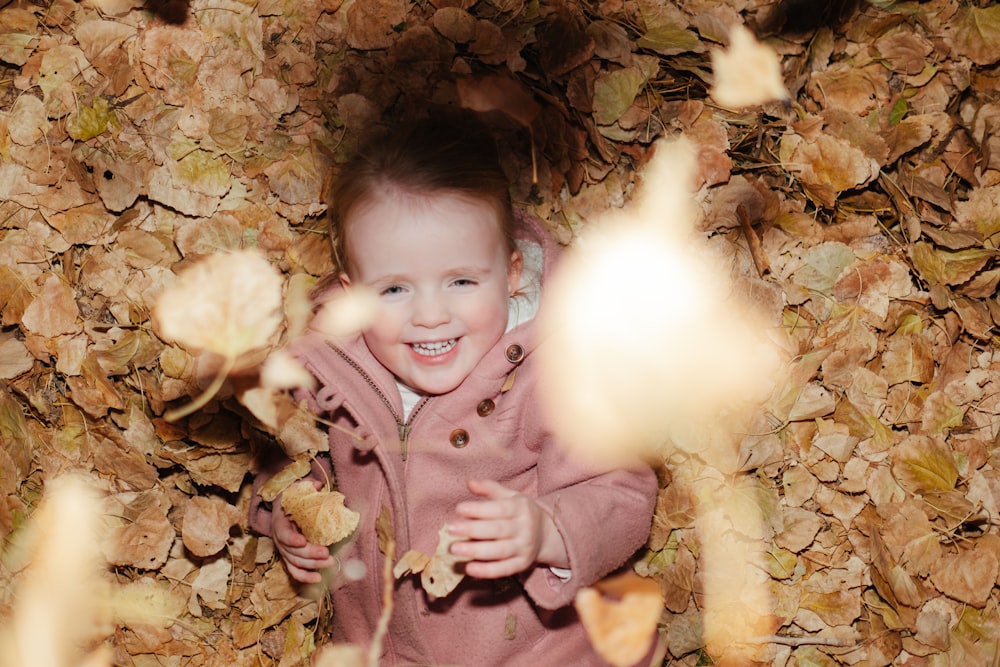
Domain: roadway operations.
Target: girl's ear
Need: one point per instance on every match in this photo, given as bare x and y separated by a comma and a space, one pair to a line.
344, 279
514, 267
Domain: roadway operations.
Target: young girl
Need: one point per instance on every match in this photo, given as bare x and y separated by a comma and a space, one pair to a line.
438, 418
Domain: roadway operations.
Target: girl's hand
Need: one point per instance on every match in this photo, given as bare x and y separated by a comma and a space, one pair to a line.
302, 559
508, 533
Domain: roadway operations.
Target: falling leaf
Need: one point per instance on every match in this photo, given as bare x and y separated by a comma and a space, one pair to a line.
748, 73
347, 312
228, 304
620, 615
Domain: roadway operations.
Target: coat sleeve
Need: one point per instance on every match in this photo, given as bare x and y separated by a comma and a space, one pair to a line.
603, 514
270, 460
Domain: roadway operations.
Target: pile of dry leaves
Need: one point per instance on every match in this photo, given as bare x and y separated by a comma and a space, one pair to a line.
859, 215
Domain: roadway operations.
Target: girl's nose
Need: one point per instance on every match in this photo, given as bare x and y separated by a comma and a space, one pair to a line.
430, 310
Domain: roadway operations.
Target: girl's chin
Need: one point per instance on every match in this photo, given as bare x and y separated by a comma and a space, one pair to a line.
434, 384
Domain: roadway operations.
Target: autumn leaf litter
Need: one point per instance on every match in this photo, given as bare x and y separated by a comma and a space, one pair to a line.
132, 151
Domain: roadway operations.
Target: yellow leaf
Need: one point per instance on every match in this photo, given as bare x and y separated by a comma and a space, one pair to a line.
88, 122
444, 572
276, 484
922, 464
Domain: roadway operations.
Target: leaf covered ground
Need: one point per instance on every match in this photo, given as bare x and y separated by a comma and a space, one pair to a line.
860, 216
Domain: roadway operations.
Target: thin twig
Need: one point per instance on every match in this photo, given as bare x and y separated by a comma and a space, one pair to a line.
375, 650
753, 242
803, 641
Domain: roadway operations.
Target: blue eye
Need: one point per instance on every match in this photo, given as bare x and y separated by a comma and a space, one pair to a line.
464, 282
391, 291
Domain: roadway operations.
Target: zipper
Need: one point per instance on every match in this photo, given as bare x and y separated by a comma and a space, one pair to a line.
402, 427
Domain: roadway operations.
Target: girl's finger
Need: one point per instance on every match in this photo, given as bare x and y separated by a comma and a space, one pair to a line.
484, 510
488, 488
482, 529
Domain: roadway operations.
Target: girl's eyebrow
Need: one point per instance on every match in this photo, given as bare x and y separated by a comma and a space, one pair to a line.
470, 270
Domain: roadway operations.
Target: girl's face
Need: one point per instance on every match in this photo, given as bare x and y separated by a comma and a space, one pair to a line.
443, 276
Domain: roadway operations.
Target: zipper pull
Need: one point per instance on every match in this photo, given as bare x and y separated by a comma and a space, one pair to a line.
404, 433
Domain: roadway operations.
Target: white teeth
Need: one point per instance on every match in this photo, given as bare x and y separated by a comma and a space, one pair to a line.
433, 349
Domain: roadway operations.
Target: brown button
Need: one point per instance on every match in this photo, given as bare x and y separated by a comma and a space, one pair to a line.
485, 407
514, 353
459, 438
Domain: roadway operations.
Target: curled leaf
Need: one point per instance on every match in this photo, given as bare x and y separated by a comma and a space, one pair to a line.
439, 574
320, 515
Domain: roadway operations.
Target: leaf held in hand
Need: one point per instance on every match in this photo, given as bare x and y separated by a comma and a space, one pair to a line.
320, 515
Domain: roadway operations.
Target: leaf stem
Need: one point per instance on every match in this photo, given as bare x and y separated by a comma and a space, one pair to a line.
207, 395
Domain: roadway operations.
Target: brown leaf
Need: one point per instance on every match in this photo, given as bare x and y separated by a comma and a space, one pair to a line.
800, 529
170, 59
274, 597
905, 51
827, 162
297, 179
455, 24
207, 521
968, 576
845, 86
923, 464
908, 358
53, 311
977, 34
563, 43
14, 356
278, 482
370, 24
125, 466
143, 539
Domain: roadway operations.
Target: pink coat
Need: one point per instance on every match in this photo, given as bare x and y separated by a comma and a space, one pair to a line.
477, 431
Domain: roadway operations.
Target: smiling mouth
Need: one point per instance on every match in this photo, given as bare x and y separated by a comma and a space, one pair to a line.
434, 349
